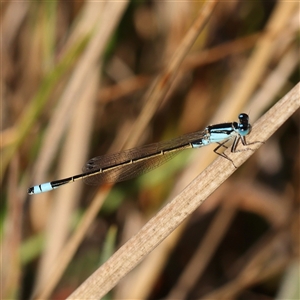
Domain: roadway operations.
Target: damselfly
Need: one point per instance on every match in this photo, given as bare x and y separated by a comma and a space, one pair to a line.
130, 163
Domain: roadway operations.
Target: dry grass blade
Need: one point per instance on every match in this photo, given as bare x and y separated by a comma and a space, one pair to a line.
205, 57
70, 96
204, 253
67, 253
168, 218
72, 157
260, 58
261, 265
36, 105
162, 83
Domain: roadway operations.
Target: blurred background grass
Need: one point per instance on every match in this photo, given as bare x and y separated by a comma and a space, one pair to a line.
75, 77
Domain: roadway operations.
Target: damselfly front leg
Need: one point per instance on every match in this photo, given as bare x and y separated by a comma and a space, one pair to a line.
244, 142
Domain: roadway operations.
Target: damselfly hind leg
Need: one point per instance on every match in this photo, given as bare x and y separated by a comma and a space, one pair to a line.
234, 146
222, 154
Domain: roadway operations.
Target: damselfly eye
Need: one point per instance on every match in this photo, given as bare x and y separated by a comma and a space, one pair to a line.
245, 128
244, 118
242, 126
